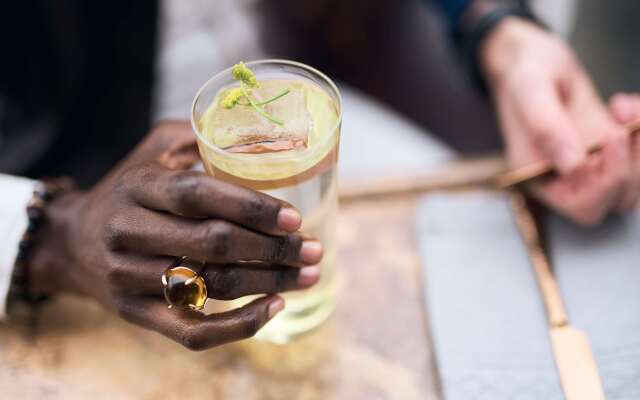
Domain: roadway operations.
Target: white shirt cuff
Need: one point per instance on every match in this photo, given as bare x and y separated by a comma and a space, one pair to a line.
13, 222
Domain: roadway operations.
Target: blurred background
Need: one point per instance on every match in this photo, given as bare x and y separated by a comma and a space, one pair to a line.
91, 68
398, 55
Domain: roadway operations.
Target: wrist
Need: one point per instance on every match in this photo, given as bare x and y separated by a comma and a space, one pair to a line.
52, 251
502, 47
480, 22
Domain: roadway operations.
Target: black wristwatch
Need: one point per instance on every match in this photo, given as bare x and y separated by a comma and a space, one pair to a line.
478, 21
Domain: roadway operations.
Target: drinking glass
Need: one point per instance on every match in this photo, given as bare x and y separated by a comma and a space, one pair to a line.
306, 178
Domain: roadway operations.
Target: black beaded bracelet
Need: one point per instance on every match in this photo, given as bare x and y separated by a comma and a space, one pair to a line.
470, 40
45, 191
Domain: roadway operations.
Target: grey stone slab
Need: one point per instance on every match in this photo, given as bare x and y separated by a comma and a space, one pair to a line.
598, 271
488, 323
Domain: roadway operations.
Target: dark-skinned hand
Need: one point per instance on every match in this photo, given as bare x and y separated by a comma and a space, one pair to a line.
114, 242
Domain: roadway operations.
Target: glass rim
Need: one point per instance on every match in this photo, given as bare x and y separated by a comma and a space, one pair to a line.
296, 64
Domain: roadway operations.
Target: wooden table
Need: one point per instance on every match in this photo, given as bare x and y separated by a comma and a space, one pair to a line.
376, 346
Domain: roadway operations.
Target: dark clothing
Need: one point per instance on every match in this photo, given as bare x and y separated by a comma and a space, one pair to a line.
453, 9
75, 85
76, 78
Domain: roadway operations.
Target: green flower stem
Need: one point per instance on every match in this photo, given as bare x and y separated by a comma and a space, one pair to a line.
262, 103
284, 93
247, 78
259, 109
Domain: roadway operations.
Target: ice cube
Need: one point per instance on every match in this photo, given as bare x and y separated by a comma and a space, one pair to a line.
242, 130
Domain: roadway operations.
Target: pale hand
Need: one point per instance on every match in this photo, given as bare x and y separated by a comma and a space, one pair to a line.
549, 109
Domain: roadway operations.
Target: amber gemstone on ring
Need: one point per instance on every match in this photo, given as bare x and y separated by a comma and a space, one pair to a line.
184, 288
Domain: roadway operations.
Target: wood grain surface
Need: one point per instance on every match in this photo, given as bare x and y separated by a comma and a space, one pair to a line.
376, 346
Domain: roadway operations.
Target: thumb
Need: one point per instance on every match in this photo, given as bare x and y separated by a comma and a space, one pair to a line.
182, 154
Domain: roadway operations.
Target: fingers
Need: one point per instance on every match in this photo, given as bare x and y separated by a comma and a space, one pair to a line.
197, 331
139, 275
616, 175
588, 187
551, 128
136, 274
625, 108
237, 280
216, 241
631, 198
626, 169
588, 194
194, 194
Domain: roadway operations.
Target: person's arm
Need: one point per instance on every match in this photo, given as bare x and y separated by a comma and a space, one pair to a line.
16, 193
548, 108
114, 242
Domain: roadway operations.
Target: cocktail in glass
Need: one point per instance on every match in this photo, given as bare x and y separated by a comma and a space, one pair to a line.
293, 159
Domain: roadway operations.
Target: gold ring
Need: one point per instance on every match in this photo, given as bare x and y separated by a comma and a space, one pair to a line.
183, 286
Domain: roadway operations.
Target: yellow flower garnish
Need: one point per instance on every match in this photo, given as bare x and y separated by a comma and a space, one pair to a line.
232, 98
242, 73
247, 78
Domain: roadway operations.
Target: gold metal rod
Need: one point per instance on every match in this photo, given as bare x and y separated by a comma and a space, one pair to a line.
548, 285
541, 168
572, 352
454, 175
489, 172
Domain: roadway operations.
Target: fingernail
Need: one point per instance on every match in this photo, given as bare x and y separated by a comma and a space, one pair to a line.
289, 219
275, 307
308, 276
311, 252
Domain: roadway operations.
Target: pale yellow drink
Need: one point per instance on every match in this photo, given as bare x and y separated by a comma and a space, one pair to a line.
296, 162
